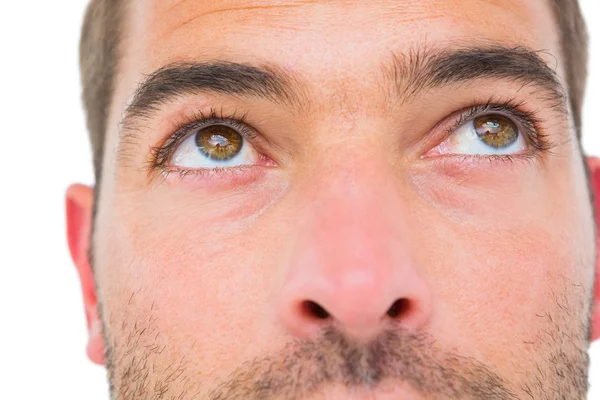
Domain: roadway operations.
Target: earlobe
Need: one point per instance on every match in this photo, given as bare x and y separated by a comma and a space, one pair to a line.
594, 168
79, 208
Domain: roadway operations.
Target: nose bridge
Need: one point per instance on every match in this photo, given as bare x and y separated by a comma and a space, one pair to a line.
352, 257
356, 229
353, 213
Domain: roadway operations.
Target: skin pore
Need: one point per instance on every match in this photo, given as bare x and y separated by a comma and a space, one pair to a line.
364, 246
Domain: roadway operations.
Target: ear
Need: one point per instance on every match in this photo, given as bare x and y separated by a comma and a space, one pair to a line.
79, 208
594, 167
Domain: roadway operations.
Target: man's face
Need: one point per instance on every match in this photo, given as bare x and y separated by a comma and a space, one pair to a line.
326, 199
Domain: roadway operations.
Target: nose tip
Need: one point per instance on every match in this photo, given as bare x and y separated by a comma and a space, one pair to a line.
360, 312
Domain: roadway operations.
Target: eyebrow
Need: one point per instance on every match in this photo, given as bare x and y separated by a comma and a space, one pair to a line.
267, 81
405, 75
418, 71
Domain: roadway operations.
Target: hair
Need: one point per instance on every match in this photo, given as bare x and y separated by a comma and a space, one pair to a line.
99, 54
100, 51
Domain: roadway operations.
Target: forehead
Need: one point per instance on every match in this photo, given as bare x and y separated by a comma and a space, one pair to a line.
168, 30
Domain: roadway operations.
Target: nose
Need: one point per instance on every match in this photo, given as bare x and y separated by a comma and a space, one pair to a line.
352, 265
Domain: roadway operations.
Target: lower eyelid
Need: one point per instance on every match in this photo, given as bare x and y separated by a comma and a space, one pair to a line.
214, 178
458, 165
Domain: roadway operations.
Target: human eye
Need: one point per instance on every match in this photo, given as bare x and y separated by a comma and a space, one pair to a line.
494, 131
209, 143
214, 146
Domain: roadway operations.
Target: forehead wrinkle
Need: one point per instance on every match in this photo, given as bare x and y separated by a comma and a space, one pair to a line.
516, 6
257, 5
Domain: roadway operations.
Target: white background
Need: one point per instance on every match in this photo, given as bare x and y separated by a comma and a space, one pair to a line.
43, 148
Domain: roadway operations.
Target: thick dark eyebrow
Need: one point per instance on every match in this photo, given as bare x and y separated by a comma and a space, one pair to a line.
424, 69
219, 77
405, 75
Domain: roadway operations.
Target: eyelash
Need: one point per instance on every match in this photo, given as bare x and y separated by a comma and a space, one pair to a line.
161, 154
527, 121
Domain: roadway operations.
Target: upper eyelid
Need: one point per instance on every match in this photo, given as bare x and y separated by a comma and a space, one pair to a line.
162, 152
473, 112
528, 121
238, 124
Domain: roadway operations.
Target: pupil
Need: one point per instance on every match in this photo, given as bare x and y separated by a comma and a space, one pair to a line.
218, 142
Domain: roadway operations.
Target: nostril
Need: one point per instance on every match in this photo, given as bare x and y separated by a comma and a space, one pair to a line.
399, 307
312, 309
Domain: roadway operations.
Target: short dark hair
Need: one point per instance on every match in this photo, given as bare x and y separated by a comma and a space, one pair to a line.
100, 51
99, 54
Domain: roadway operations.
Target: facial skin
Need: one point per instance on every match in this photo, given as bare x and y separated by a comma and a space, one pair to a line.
437, 273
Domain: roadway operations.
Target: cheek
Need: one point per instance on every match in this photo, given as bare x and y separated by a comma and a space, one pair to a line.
505, 255
204, 274
501, 276
190, 238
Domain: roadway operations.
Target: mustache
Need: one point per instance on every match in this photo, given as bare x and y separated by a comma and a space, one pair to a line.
303, 368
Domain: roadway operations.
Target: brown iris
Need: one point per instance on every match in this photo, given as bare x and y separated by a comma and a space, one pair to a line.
496, 130
219, 142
